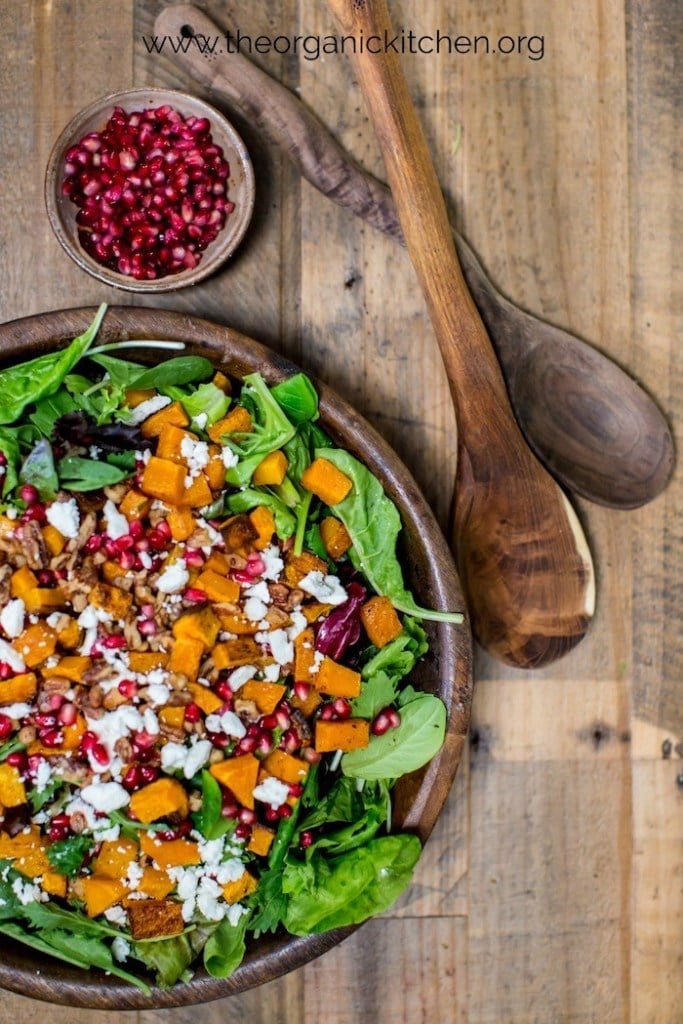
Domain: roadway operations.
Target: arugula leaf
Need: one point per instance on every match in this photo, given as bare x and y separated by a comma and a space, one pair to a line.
209, 819
225, 949
244, 501
38, 468
92, 952
373, 523
174, 372
30, 381
332, 893
297, 397
130, 828
67, 855
271, 430
363, 812
38, 798
79, 474
418, 738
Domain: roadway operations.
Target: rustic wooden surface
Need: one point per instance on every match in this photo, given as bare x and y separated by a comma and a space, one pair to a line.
551, 889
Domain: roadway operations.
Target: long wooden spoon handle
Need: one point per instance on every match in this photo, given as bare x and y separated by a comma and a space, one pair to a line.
524, 560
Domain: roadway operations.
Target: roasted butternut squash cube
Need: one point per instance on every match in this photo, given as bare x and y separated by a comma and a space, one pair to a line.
69, 636
111, 599
164, 480
239, 775
136, 396
22, 581
215, 470
155, 884
298, 566
186, 657
173, 414
380, 621
217, 587
55, 542
350, 734
335, 537
222, 382
198, 494
171, 854
238, 421
36, 643
326, 481
336, 680
238, 532
233, 892
205, 698
263, 521
271, 471
286, 767
115, 857
135, 504
146, 661
266, 696
233, 653
304, 656
17, 690
54, 884
159, 799
236, 623
261, 840
44, 600
181, 523
101, 893
170, 442
151, 919
202, 625
12, 789
71, 667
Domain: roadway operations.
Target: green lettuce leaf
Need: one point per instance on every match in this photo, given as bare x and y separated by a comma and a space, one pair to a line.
418, 738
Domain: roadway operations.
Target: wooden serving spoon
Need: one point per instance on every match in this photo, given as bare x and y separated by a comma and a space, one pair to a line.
593, 426
522, 555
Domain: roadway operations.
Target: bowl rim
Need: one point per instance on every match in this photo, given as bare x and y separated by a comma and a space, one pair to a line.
41, 978
172, 282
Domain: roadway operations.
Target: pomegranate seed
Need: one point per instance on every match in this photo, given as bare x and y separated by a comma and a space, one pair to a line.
310, 755
136, 530
195, 596
67, 714
6, 670
394, 718
283, 719
163, 529
116, 642
290, 741
305, 840
254, 730
229, 809
380, 724
327, 713
247, 745
242, 831
128, 561
241, 576
224, 691
247, 816
271, 814
255, 564
157, 541
29, 494
132, 779
148, 773
56, 701
147, 611
142, 544
265, 744
124, 543
94, 543
302, 691
34, 514
342, 708
88, 741
46, 577
147, 627
194, 558
144, 739
193, 713
99, 754
51, 737
285, 811
5, 726
44, 720
17, 759
3, 459
128, 688
269, 722
296, 789
57, 832
110, 547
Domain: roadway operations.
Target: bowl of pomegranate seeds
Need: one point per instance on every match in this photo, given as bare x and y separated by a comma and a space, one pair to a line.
149, 190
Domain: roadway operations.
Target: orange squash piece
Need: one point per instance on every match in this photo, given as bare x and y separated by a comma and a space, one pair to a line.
218, 588
238, 421
233, 892
70, 635
55, 541
271, 471
233, 653
22, 581
298, 566
171, 854
173, 717
12, 789
186, 657
215, 470
18, 689
173, 414
170, 442
36, 643
239, 775
53, 883
136, 396
72, 667
286, 767
159, 799
218, 562
336, 680
147, 661
43, 600
266, 696
181, 523
380, 621
155, 884
151, 919
164, 480
201, 625
335, 537
135, 504
350, 734
198, 494
304, 656
326, 481
240, 625
111, 599
115, 858
261, 840
205, 698
263, 521
101, 893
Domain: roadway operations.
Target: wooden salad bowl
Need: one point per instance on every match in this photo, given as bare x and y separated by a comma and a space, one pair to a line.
429, 571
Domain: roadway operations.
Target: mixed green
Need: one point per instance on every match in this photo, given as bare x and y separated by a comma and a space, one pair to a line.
205, 641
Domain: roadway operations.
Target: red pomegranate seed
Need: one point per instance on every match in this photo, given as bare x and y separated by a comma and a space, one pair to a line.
296, 789
242, 831
163, 529
51, 737
144, 739
194, 558
5, 726
284, 811
394, 718
110, 547
132, 779
147, 611
94, 543
29, 494
290, 741
193, 713
310, 755
342, 708
327, 713
67, 714
99, 754
302, 691
147, 627
271, 814
88, 741
241, 576
6, 670
195, 596
247, 816
224, 691
282, 718
148, 773
57, 832
34, 514
124, 543
44, 720
269, 722
305, 840
116, 642
136, 530
17, 759
55, 701
46, 577
230, 809
265, 744
380, 724
3, 459
255, 565
128, 688
157, 541
247, 745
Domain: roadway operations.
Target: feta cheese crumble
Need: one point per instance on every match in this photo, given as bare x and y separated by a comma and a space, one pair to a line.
326, 589
117, 524
271, 791
173, 579
12, 618
65, 517
148, 408
105, 796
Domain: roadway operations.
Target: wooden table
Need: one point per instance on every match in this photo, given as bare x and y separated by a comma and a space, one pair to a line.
551, 889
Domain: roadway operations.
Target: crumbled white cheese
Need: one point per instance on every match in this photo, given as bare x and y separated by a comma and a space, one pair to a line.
326, 589
17, 711
318, 659
254, 609
107, 835
113, 726
173, 757
133, 875
105, 796
12, 617
260, 591
271, 791
174, 578
120, 948
78, 806
228, 722
12, 657
230, 871
210, 900
158, 694
28, 892
65, 517
43, 775
94, 452
54, 619
235, 912
229, 458
281, 647
146, 559
240, 676
273, 562
151, 721
116, 915
271, 673
188, 760
299, 624
197, 757
196, 454
117, 524
148, 408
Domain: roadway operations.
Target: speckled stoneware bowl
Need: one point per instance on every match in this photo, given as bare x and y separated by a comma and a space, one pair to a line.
62, 211
429, 572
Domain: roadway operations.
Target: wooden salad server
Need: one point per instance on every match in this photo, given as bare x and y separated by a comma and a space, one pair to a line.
525, 563
598, 432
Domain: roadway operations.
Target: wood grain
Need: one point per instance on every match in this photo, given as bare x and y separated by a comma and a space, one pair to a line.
562, 173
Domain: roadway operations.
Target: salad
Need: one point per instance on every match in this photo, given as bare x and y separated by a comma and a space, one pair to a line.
205, 640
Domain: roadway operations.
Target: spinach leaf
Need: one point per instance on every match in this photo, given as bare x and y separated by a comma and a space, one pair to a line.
324, 894
378, 691
244, 501
30, 381
297, 397
418, 738
314, 542
174, 372
271, 430
79, 474
38, 468
67, 855
52, 408
225, 949
208, 819
373, 523
9, 446
382, 674
122, 373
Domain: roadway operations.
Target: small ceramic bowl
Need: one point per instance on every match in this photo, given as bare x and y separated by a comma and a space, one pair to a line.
240, 186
